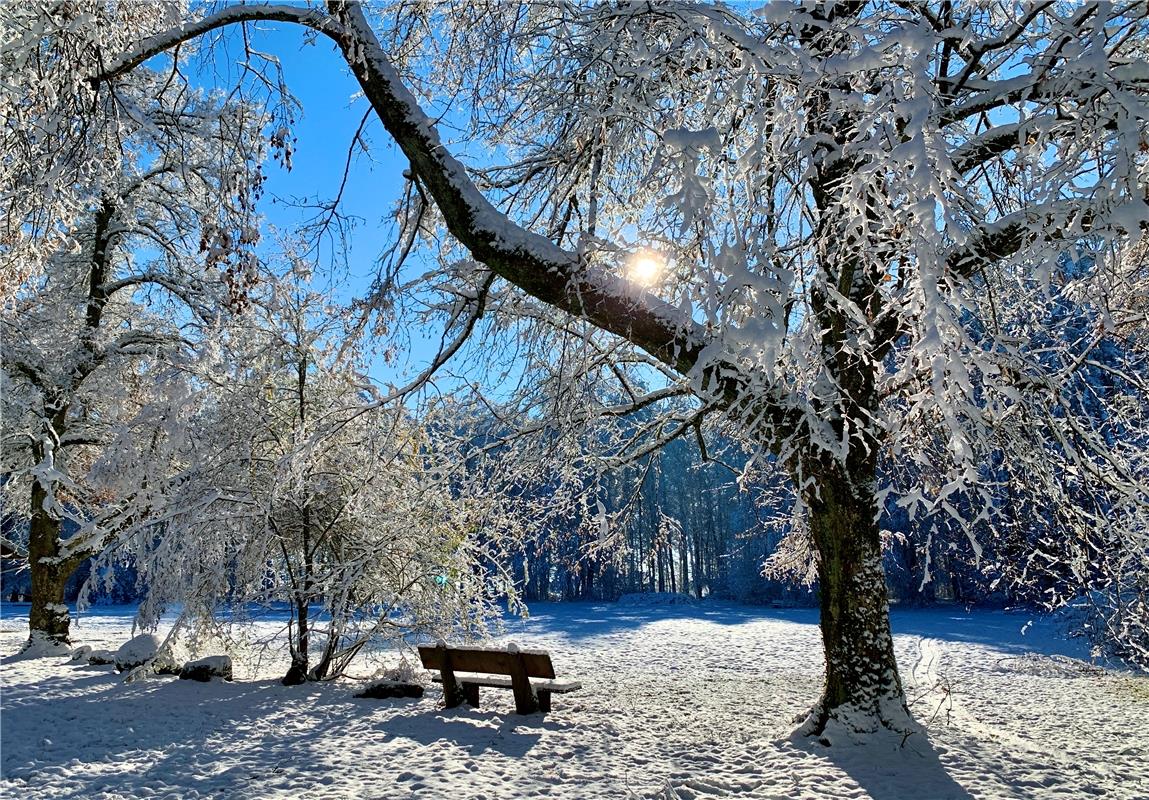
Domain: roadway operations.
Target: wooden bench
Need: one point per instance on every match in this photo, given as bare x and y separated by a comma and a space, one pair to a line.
519, 666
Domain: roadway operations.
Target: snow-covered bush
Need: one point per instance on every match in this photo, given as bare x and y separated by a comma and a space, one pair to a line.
301, 488
1115, 622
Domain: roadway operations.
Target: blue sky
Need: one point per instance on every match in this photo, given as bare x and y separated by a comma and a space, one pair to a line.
332, 111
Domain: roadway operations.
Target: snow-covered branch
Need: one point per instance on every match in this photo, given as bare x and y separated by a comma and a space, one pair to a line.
528, 260
231, 15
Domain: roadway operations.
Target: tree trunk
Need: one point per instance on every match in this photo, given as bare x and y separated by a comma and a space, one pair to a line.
683, 556
917, 593
862, 688
699, 568
660, 559
300, 645
48, 619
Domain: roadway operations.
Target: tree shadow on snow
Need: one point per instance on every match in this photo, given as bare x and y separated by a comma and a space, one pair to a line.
887, 771
1005, 631
239, 737
474, 731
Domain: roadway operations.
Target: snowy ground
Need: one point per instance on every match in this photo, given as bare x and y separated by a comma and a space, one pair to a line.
678, 702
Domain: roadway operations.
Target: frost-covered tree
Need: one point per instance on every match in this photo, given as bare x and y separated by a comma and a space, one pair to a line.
854, 204
297, 486
127, 227
67, 409
69, 148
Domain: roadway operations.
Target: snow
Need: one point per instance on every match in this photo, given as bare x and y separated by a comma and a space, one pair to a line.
678, 701
40, 646
137, 650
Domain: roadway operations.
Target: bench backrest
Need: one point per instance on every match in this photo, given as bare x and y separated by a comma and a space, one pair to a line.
489, 660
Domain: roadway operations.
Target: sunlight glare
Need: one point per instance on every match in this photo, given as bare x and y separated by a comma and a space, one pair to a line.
646, 268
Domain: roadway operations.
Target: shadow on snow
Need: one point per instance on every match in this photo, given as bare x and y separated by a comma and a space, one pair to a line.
999, 630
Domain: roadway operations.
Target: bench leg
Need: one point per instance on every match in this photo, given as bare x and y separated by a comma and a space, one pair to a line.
471, 694
526, 700
544, 700
452, 694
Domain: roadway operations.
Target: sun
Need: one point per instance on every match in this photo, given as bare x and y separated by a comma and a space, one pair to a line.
646, 268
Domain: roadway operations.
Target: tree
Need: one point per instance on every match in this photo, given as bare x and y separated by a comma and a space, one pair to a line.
75, 379
838, 191
295, 486
107, 283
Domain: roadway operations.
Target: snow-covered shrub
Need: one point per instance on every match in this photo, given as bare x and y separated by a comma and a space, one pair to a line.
300, 487
401, 681
1115, 622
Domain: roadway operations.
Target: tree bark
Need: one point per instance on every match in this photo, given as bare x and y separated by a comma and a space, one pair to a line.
862, 687
300, 644
48, 619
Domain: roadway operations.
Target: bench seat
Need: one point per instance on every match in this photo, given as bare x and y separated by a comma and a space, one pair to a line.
497, 682
544, 689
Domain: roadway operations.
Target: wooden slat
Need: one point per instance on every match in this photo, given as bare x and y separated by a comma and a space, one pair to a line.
492, 682
488, 681
482, 659
559, 687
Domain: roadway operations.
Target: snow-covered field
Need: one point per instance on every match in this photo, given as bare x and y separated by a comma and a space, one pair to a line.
685, 701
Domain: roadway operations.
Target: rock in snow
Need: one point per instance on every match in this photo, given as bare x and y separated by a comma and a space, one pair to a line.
205, 669
381, 690
137, 651
101, 657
